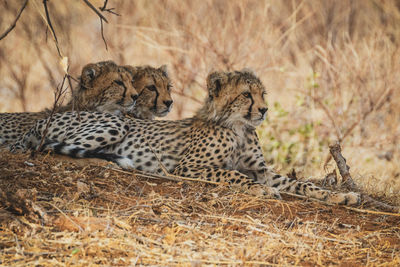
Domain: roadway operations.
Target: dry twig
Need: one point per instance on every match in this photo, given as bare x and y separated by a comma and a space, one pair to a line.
95, 10
57, 97
110, 10
12, 26
336, 153
373, 107
170, 177
395, 212
50, 25
101, 17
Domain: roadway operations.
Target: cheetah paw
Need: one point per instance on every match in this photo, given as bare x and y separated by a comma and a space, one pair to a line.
351, 198
271, 192
262, 190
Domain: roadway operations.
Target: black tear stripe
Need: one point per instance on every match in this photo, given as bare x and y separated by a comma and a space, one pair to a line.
157, 94
248, 116
217, 87
123, 94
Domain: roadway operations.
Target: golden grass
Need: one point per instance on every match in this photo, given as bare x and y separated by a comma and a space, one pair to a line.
331, 71
96, 215
330, 68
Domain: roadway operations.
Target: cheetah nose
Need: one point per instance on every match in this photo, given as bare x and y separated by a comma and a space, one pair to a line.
263, 111
168, 103
134, 98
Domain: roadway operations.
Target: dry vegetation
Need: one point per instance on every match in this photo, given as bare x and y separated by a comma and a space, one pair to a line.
75, 215
331, 70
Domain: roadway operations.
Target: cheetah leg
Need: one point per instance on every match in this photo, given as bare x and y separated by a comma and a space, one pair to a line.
232, 177
285, 184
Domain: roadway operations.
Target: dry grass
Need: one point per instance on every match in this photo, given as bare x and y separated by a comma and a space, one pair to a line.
331, 71
96, 215
330, 68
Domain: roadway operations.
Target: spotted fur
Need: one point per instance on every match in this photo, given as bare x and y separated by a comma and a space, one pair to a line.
218, 144
104, 87
154, 89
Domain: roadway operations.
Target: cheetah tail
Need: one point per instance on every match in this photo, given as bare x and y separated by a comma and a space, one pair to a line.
75, 151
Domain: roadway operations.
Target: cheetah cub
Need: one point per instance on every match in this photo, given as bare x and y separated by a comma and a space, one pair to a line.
219, 143
154, 88
104, 86
143, 92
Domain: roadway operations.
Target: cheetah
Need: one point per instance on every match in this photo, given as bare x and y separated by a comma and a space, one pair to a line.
154, 89
219, 143
104, 87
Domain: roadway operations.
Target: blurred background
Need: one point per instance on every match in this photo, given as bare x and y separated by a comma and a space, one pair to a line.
330, 68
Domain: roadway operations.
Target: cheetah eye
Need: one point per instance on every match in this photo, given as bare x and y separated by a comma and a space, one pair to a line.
119, 82
133, 81
169, 87
263, 95
152, 88
246, 94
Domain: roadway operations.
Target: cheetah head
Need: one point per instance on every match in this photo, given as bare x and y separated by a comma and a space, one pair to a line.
154, 89
235, 99
106, 87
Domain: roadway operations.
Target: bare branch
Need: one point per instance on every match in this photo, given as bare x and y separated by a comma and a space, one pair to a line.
110, 10
103, 8
336, 153
95, 10
12, 26
51, 26
57, 96
69, 77
102, 34
374, 107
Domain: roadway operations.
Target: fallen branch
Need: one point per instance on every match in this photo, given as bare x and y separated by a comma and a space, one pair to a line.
176, 178
170, 177
336, 153
12, 26
395, 210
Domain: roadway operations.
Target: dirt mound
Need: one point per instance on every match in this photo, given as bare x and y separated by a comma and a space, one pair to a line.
56, 211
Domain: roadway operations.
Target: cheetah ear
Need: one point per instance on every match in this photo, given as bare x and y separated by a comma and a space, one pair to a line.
164, 70
248, 70
215, 80
131, 69
88, 74
107, 63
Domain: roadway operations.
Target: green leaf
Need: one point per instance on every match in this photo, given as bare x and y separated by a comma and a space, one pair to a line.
74, 251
